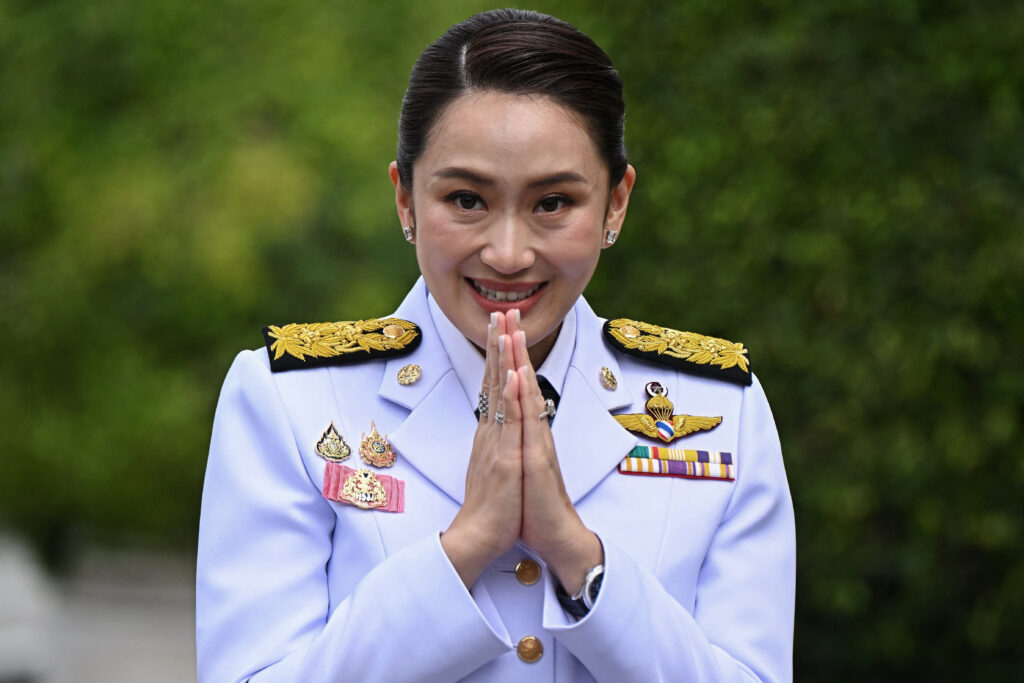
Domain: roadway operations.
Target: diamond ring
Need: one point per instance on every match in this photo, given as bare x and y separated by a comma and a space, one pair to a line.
549, 409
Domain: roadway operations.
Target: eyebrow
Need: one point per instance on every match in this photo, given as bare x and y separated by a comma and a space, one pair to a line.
470, 176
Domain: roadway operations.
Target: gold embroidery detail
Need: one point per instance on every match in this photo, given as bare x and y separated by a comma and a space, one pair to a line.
688, 346
363, 489
327, 340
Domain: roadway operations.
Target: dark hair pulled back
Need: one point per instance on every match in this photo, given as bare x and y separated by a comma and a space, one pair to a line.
520, 52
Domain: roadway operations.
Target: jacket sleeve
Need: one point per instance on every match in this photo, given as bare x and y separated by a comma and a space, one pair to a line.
265, 539
741, 628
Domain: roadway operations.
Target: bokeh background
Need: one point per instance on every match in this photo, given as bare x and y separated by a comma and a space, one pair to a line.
837, 183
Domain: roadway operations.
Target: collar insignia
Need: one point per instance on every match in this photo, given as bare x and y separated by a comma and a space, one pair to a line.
608, 380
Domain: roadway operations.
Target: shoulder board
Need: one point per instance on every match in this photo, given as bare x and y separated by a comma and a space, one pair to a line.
312, 345
685, 351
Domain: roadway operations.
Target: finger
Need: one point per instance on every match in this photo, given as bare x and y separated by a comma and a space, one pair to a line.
531, 400
541, 472
514, 321
536, 430
504, 350
515, 329
512, 432
491, 381
506, 355
500, 331
530, 397
522, 354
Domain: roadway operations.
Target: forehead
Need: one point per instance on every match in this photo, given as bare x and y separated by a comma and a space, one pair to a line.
510, 136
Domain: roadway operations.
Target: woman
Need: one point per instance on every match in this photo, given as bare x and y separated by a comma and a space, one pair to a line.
504, 543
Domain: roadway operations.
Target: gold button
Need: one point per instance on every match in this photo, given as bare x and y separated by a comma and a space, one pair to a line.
528, 572
530, 649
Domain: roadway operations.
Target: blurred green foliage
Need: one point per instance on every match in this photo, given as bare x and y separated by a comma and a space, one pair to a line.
837, 183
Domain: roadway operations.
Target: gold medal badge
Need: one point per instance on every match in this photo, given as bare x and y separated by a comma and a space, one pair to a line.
375, 449
332, 446
662, 423
364, 490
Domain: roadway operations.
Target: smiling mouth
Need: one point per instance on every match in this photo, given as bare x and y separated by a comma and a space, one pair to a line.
504, 295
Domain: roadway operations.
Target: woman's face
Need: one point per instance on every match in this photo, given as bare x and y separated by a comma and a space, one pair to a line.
510, 201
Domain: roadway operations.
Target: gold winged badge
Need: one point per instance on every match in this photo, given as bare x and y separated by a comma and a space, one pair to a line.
661, 423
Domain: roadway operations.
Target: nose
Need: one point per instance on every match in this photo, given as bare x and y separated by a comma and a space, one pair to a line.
509, 247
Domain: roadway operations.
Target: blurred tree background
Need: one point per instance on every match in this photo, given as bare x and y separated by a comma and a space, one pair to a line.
838, 183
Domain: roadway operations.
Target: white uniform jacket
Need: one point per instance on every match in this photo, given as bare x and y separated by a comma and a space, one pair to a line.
699, 574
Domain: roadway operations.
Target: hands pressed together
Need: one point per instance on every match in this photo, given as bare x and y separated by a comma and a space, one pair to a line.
514, 487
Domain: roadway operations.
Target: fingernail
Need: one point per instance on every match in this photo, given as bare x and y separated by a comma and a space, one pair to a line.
508, 376
501, 343
494, 320
522, 333
515, 312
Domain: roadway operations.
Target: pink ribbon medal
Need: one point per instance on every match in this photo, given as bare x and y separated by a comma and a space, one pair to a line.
363, 488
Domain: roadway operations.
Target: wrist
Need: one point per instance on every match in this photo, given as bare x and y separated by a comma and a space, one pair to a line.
582, 601
575, 559
464, 554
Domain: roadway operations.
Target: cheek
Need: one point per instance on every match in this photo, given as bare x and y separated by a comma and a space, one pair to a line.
580, 265
439, 245
577, 254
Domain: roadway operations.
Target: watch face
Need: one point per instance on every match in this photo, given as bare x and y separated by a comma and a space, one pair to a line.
595, 587
592, 590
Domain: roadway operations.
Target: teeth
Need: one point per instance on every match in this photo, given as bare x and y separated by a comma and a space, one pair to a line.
501, 295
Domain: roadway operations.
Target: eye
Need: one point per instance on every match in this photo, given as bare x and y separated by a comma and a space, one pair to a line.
467, 201
553, 203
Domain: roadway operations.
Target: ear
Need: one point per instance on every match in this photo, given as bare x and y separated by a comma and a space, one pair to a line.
403, 197
618, 200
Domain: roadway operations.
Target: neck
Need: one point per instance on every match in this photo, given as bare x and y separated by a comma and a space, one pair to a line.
539, 351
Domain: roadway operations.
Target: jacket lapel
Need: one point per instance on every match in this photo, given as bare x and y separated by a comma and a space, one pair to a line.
437, 436
590, 443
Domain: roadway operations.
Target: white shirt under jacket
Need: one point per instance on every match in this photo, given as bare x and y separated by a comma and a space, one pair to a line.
699, 574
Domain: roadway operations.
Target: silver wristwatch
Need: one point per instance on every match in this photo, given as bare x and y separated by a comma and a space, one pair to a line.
590, 588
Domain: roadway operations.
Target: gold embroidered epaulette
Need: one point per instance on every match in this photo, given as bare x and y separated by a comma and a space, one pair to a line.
686, 351
313, 345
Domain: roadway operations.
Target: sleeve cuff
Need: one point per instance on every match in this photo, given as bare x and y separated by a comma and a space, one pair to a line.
603, 626
475, 599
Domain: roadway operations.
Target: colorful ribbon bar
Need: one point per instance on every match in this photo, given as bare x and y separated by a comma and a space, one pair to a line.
685, 455
363, 494
678, 468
